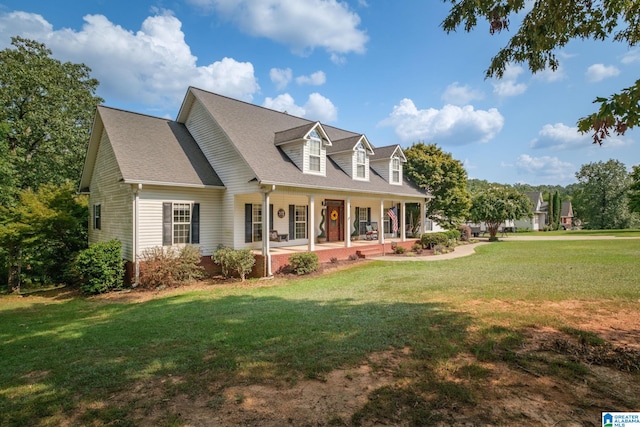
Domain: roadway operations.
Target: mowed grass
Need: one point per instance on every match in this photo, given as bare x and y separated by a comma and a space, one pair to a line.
89, 361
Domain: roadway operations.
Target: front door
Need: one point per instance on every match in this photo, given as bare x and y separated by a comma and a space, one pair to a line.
335, 224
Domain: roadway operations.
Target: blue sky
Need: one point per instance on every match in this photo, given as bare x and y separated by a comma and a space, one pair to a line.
383, 68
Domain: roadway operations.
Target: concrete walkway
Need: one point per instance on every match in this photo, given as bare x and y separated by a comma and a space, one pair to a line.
466, 250
460, 251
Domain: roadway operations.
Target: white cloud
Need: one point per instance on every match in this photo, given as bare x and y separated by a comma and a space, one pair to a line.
508, 85
632, 56
153, 65
317, 107
551, 76
545, 169
560, 137
301, 24
281, 77
598, 72
316, 79
460, 95
451, 125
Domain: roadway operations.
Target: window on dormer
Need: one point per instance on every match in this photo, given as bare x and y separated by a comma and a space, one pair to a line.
360, 162
395, 170
314, 151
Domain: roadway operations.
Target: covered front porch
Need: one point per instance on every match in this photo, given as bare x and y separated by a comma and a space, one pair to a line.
279, 256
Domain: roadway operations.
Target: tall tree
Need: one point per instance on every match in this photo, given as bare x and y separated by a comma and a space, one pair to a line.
445, 178
634, 190
46, 111
550, 25
601, 202
42, 230
498, 204
557, 210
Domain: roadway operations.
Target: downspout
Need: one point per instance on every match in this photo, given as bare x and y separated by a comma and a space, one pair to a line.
265, 228
136, 228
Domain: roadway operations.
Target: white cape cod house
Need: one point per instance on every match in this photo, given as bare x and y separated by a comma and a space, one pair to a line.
230, 173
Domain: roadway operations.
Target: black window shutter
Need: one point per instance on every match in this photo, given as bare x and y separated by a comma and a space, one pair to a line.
292, 222
195, 224
270, 217
248, 232
167, 217
356, 223
369, 215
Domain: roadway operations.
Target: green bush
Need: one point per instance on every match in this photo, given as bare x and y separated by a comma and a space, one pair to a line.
170, 266
430, 240
304, 262
100, 268
453, 235
234, 262
399, 249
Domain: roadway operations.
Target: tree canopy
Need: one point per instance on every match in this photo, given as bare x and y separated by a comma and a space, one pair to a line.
46, 112
498, 204
602, 200
445, 178
549, 25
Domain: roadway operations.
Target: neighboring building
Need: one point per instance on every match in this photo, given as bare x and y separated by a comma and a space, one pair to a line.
566, 216
230, 173
539, 210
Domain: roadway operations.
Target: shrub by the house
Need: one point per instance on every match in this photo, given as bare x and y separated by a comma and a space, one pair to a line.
304, 262
430, 240
100, 268
234, 262
170, 266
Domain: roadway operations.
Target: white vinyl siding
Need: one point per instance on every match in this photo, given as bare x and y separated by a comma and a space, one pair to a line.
232, 170
150, 211
115, 200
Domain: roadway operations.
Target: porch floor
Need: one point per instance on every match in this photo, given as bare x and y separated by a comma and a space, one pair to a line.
355, 245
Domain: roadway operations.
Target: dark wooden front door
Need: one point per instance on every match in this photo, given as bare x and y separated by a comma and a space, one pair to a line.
335, 221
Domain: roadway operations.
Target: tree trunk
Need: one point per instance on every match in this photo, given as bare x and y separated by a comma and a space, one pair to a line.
15, 271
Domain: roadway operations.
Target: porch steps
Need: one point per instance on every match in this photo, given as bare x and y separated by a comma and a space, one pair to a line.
369, 252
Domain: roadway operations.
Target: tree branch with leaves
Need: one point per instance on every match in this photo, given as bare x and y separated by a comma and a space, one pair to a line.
550, 25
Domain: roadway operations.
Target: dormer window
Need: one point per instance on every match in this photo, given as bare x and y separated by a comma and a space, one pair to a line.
361, 162
395, 170
314, 151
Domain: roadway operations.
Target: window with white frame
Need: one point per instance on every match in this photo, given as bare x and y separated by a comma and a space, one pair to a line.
256, 223
363, 220
361, 162
181, 223
301, 222
395, 170
97, 216
315, 145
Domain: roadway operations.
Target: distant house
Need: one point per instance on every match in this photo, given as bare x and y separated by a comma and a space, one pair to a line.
539, 209
566, 215
230, 173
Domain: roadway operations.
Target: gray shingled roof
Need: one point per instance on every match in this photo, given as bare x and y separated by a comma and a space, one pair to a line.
151, 149
252, 130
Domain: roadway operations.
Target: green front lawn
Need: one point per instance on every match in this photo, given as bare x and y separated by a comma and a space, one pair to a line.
91, 361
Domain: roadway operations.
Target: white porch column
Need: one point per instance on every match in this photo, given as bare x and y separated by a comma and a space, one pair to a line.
136, 232
347, 218
403, 222
265, 229
311, 226
381, 226
423, 218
